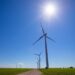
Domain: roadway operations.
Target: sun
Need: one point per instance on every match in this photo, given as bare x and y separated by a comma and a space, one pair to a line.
49, 10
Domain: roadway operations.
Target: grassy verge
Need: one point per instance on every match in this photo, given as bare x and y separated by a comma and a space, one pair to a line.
56, 71
12, 71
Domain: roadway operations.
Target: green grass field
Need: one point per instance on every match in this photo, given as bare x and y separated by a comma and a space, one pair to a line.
58, 71
11, 71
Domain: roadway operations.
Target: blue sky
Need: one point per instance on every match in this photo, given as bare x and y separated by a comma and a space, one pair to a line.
20, 28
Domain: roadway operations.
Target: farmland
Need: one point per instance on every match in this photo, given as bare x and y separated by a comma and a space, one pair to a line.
58, 71
12, 71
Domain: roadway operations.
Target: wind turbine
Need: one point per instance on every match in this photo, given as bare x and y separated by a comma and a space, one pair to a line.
39, 59
45, 40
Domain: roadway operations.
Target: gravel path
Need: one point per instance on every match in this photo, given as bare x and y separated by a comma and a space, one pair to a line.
32, 72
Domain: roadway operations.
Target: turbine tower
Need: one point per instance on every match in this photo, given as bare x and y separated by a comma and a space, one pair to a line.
45, 40
39, 59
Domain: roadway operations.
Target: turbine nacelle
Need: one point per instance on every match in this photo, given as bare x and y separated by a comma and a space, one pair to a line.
45, 34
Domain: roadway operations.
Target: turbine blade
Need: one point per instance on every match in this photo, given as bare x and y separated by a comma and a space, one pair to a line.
51, 39
42, 29
38, 40
37, 54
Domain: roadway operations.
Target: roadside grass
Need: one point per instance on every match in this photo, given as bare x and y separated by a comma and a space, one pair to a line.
12, 71
58, 71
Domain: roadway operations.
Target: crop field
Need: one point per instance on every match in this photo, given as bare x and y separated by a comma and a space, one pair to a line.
12, 71
60, 71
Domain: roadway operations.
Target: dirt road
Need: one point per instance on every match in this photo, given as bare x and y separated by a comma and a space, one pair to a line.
32, 72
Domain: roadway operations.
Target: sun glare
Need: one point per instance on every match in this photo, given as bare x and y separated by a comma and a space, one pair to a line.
49, 10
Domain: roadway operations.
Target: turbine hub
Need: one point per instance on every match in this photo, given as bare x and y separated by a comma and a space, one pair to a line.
45, 34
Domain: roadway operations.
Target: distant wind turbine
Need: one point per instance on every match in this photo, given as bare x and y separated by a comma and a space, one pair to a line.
39, 59
46, 51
